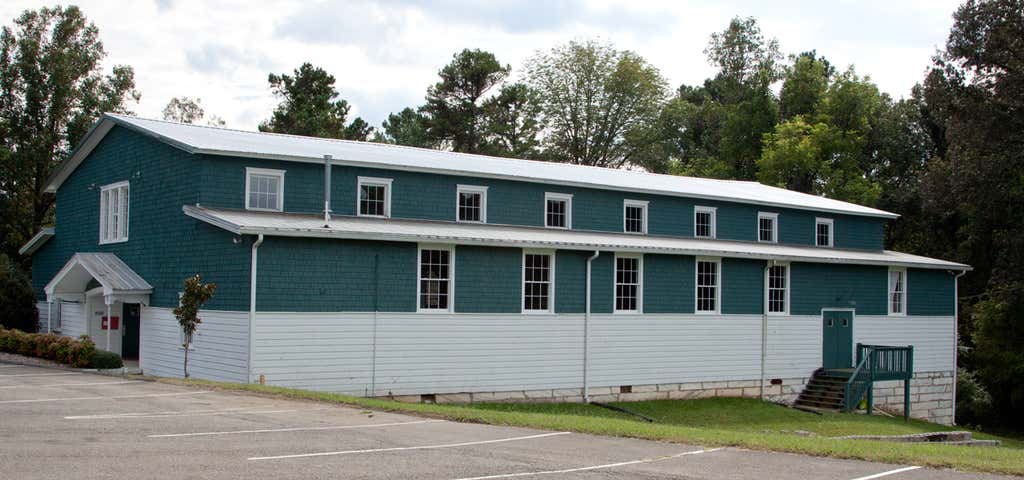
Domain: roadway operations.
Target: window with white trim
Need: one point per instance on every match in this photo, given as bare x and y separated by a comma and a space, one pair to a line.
778, 289
708, 279
435, 277
634, 216
767, 227
114, 213
628, 272
374, 197
897, 291
538, 281
823, 232
557, 210
704, 222
264, 189
471, 203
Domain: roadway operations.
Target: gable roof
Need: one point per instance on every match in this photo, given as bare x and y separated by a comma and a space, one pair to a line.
241, 222
116, 277
221, 141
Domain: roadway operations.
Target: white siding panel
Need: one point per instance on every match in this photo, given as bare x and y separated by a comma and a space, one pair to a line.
220, 348
794, 346
73, 316
42, 308
932, 338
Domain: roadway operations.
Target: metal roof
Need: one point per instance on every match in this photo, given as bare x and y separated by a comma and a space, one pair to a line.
310, 225
36, 241
114, 275
222, 141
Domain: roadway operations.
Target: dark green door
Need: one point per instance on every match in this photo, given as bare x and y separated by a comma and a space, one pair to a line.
837, 341
130, 324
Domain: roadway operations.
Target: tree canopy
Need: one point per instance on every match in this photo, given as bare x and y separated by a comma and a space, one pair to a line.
310, 105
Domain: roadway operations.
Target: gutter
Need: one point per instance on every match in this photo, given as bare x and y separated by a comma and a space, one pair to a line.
586, 333
956, 335
252, 305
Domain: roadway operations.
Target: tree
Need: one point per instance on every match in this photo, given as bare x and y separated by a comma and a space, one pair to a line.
408, 128
184, 110
52, 89
17, 300
593, 99
453, 112
804, 85
745, 58
512, 123
193, 296
311, 106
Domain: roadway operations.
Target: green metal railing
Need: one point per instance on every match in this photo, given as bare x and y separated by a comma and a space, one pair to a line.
879, 363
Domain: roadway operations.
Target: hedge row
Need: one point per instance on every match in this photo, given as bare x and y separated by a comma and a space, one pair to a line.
79, 353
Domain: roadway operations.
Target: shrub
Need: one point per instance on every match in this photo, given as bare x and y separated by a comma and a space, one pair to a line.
103, 359
77, 353
17, 300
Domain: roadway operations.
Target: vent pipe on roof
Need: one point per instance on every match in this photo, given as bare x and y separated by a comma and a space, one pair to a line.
327, 191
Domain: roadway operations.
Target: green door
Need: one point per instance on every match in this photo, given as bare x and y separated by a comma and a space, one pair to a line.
130, 324
837, 338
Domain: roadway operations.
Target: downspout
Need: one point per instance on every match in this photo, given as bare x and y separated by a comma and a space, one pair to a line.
586, 333
956, 335
110, 322
764, 324
252, 304
327, 191
376, 308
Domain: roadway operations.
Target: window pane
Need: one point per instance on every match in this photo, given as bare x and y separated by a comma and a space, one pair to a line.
777, 289
707, 286
766, 229
702, 224
372, 199
434, 279
634, 222
823, 236
470, 206
627, 283
556, 213
536, 281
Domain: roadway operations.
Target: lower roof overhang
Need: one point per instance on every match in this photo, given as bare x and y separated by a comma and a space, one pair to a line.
118, 282
242, 222
36, 241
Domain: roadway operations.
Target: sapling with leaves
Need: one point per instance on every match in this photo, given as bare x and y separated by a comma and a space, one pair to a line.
195, 294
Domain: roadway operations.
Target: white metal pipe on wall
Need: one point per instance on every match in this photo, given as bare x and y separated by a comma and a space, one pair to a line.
586, 333
956, 335
252, 305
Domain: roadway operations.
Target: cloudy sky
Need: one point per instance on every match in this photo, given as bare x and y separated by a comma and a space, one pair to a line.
385, 53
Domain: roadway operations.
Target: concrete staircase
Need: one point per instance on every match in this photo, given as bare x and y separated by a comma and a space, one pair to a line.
824, 391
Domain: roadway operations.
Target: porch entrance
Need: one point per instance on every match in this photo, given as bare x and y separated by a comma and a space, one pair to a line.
837, 339
130, 334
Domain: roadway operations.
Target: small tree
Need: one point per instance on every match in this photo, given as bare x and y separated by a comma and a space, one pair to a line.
196, 293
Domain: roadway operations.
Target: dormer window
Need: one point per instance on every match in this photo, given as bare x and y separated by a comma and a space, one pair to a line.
767, 227
374, 197
557, 210
264, 189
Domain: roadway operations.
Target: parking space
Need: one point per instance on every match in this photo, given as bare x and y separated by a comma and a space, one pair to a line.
57, 422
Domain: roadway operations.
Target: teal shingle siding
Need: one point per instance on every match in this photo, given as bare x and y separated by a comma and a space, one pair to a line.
930, 292
669, 284
488, 280
164, 245
570, 275
816, 286
742, 286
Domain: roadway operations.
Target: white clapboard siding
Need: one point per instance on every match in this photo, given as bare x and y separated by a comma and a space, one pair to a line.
73, 316
44, 315
793, 346
932, 338
220, 350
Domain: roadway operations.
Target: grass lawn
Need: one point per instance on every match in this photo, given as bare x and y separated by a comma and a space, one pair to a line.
716, 422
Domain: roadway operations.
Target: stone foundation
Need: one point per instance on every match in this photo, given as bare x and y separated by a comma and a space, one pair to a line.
931, 394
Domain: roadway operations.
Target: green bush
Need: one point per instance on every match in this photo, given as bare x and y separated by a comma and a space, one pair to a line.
103, 359
17, 300
77, 353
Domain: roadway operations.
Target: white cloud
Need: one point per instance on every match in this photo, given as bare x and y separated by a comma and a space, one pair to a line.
384, 53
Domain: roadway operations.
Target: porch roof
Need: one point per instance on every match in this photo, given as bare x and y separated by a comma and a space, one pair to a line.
401, 230
117, 279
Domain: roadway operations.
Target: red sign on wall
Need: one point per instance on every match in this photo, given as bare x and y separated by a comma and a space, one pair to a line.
113, 320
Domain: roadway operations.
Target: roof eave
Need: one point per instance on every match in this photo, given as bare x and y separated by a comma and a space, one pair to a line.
37, 240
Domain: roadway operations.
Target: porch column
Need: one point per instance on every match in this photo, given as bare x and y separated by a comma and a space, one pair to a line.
107, 301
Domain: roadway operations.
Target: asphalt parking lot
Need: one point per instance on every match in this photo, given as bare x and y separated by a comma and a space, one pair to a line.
68, 424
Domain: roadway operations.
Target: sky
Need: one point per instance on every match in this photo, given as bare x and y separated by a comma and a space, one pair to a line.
385, 53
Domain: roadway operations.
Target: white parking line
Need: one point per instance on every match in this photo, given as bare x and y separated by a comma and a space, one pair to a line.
40, 400
120, 382
886, 474
38, 374
422, 447
194, 413
292, 429
593, 467
11, 366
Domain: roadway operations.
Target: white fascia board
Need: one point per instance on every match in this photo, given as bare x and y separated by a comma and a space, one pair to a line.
36, 241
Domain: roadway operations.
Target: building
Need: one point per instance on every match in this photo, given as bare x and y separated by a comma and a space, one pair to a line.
453, 277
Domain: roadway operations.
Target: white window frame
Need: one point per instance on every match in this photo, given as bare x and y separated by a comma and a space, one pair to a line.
767, 296
718, 285
642, 204
775, 226
714, 220
889, 291
451, 276
639, 282
831, 231
551, 282
249, 172
567, 197
376, 182
460, 189
121, 235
